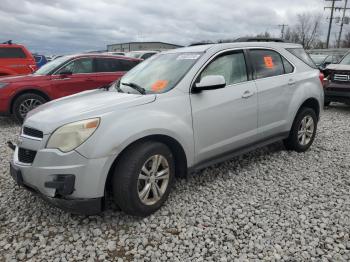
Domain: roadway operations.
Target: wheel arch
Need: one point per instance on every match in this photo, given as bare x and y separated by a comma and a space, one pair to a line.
311, 103
27, 91
175, 147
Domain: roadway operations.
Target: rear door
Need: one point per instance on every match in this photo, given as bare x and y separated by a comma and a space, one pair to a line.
77, 76
275, 83
111, 69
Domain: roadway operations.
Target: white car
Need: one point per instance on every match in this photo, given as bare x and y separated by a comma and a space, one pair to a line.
173, 114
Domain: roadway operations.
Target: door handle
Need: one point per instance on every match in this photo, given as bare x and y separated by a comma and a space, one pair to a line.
247, 94
291, 82
89, 79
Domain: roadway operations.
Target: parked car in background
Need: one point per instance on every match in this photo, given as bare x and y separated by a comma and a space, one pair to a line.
337, 84
115, 53
15, 59
207, 104
63, 76
40, 60
323, 60
141, 54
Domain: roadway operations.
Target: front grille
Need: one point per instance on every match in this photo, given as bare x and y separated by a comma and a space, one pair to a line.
341, 78
32, 132
26, 155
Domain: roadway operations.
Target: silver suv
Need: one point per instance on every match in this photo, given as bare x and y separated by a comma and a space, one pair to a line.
173, 114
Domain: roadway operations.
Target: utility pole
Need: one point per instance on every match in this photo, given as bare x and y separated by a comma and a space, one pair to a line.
342, 22
282, 29
330, 20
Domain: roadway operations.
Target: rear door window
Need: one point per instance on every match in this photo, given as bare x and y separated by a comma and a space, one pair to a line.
266, 63
11, 52
108, 65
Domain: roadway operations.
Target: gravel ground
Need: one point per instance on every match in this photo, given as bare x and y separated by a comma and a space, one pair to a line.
266, 205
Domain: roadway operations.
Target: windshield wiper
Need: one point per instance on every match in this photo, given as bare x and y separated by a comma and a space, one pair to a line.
117, 86
138, 88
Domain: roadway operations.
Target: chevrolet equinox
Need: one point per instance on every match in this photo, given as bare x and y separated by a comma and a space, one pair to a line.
175, 113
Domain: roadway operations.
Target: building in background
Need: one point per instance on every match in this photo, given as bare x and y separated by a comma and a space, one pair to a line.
138, 46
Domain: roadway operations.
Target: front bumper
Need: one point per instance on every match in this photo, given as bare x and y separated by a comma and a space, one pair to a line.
44, 176
89, 206
335, 92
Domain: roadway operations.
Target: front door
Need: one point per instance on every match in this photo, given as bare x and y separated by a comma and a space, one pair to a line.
225, 119
75, 77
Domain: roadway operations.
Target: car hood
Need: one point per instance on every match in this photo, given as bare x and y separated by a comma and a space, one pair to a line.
22, 78
338, 67
82, 106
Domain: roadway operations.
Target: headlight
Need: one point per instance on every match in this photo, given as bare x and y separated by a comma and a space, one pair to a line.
3, 85
70, 136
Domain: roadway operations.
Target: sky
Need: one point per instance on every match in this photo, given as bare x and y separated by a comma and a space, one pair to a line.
68, 26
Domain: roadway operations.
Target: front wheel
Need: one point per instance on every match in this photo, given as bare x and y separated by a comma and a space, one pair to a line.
25, 103
303, 131
143, 178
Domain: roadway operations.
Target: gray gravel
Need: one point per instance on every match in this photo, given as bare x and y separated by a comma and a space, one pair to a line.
266, 205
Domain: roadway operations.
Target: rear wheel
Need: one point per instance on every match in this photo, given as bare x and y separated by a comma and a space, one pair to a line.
143, 178
303, 131
25, 103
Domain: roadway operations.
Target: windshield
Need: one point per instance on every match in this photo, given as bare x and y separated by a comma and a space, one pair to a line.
345, 60
160, 73
52, 65
318, 59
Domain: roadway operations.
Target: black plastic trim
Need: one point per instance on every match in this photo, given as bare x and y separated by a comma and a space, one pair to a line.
240, 151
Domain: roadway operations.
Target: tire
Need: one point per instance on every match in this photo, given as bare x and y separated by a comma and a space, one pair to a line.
128, 186
302, 143
24, 103
327, 103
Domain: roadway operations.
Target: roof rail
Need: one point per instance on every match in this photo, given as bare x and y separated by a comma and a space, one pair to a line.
9, 42
259, 39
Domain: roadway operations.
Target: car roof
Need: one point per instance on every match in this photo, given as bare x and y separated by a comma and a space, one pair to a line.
103, 55
204, 48
11, 45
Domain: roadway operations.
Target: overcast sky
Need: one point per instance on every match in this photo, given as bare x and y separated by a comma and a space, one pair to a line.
68, 26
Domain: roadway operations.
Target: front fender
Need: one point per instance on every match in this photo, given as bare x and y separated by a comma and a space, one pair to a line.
115, 133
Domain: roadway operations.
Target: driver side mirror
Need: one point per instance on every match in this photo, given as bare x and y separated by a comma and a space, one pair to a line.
210, 82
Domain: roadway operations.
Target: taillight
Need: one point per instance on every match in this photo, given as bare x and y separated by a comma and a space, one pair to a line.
321, 76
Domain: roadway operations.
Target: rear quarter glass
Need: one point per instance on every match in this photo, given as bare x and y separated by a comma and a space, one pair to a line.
303, 56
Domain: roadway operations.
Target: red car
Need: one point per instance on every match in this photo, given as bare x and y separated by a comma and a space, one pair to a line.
63, 76
15, 60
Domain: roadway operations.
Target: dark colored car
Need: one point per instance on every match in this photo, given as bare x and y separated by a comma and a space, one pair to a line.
15, 60
323, 60
337, 84
40, 60
61, 77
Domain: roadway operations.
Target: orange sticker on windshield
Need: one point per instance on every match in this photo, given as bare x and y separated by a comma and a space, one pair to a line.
268, 62
159, 85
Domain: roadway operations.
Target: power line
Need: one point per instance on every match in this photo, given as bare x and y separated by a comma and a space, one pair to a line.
330, 20
342, 22
283, 26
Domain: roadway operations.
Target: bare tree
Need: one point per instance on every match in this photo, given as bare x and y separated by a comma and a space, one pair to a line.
346, 41
307, 28
306, 31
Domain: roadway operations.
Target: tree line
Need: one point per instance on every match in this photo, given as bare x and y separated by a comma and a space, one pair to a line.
305, 31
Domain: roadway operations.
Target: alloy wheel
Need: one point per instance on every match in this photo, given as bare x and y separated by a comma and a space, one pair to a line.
153, 179
28, 105
306, 130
